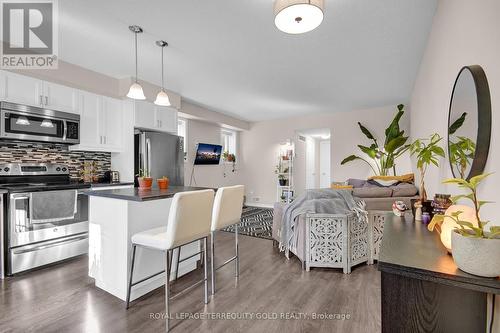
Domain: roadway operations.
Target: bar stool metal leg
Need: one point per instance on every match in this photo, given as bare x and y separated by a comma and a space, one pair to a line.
205, 268
167, 291
177, 263
212, 261
237, 262
131, 275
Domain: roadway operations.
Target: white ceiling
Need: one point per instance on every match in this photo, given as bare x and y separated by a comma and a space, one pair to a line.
228, 55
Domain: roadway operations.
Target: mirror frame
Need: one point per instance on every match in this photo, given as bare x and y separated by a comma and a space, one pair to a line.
484, 120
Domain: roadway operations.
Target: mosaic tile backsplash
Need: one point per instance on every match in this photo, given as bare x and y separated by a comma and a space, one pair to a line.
50, 153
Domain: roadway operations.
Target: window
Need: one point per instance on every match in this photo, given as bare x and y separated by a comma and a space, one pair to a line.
228, 141
181, 131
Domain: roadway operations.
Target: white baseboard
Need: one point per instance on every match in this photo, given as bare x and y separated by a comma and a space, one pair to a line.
258, 204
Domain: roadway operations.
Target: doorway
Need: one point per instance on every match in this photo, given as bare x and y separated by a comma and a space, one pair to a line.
317, 153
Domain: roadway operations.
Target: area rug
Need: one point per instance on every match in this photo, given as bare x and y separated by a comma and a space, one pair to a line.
255, 222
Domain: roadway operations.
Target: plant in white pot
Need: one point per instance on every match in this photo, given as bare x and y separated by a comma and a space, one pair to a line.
475, 250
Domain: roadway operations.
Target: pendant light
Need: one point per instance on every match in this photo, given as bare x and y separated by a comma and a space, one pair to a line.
23, 121
298, 16
162, 97
135, 91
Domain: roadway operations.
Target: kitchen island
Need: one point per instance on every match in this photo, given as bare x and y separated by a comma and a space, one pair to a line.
114, 216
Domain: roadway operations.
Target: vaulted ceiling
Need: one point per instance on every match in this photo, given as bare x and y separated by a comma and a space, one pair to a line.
228, 55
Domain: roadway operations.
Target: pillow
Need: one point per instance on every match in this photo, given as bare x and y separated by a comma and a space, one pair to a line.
385, 182
372, 192
408, 178
341, 187
356, 182
404, 190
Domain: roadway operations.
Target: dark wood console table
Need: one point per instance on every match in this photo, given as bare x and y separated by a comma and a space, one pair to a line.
422, 288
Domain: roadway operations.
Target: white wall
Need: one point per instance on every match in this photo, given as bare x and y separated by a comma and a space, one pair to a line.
464, 32
208, 175
259, 147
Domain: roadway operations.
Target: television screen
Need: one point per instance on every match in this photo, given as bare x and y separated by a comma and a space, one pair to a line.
208, 154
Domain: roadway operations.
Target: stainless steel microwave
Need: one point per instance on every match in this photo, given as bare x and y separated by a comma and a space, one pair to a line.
29, 123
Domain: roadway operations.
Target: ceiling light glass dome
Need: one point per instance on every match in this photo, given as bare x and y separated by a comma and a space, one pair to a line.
298, 16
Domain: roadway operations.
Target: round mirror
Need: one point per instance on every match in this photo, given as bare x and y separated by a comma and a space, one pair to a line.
469, 123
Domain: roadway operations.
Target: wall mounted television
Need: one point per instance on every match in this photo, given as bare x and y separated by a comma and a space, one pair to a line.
208, 154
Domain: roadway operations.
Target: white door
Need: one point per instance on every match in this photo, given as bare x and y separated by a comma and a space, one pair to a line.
21, 89
166, 119
310, 163
90, 106
62, 98
112, 119
145, 115
324, 164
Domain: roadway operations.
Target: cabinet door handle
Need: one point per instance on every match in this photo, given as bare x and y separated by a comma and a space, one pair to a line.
41, 100
46, 100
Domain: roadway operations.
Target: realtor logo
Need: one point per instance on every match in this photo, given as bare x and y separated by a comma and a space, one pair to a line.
29, 34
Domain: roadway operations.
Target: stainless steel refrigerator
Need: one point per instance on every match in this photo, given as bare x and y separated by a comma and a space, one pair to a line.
160, 153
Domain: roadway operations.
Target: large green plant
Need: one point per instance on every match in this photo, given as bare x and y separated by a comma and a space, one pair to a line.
427, 152
383, 157
468, 228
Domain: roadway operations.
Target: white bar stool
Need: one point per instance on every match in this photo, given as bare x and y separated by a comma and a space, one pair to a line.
188, 221
228, 205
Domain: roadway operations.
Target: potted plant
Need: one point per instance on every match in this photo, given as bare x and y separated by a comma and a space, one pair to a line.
144, 179
427, 152
282, 180
383, 157
475, 250
163, 183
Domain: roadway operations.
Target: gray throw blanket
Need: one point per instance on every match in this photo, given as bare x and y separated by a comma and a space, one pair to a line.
323, 201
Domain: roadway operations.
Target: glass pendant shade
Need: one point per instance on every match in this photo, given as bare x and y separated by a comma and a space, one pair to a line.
162, 99
298, 16
22, 120
136, 92
47, 123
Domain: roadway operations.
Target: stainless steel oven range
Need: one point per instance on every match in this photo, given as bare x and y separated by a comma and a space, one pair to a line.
46, 215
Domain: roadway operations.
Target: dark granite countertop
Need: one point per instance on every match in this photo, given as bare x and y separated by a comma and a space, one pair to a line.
409, 249
134, 194
110, 184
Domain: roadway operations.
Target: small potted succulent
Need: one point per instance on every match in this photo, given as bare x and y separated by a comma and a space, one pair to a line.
475, 250
144, 179
163, 183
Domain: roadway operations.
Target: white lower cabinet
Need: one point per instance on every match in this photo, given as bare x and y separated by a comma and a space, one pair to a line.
101, 123
149, 116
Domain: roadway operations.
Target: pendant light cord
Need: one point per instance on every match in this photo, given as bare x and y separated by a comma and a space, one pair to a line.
135, 35
162, 86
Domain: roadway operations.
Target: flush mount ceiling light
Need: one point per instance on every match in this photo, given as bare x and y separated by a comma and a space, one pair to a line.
22, 120
162, 97
47, 123
298, 16
135, 91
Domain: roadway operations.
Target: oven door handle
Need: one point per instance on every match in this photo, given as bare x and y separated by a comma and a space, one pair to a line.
32, 248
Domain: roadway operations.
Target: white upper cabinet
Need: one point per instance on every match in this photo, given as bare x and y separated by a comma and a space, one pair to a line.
144, 115
112, 123
157, 118
22, 89
90, 105
166, 119
61, 98
101, 123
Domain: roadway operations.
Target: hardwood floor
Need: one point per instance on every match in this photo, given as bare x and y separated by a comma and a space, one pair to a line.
62, 298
